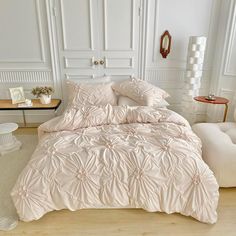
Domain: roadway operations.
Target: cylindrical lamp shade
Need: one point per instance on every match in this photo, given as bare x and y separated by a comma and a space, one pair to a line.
193, 75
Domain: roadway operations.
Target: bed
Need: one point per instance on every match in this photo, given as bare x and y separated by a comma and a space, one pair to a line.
107, 156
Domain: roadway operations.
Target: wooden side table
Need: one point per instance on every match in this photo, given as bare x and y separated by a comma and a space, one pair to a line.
218, 100
6, 104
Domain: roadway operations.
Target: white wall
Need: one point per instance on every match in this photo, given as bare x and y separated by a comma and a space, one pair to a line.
224, 69
182, 18
25, 58
28, 48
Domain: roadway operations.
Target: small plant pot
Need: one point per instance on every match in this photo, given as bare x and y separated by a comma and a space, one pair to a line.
45, 99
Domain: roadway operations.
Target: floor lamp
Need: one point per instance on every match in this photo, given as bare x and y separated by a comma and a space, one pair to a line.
193, 75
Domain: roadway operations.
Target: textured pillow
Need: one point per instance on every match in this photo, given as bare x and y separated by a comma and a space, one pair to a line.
140, 91
72, 85
123, 100
93, 94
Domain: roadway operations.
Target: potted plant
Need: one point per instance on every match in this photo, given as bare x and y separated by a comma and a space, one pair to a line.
43, 93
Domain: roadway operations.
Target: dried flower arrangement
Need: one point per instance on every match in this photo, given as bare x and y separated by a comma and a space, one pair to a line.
38, 91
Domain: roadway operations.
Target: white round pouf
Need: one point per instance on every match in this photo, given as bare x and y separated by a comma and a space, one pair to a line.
8, 142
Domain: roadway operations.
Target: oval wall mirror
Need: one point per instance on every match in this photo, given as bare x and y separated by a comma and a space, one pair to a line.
165, 44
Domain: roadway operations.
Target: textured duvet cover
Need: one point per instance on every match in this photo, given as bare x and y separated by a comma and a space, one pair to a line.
116, 157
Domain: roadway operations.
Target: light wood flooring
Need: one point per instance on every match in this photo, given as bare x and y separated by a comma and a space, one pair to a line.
25, 131
130, 222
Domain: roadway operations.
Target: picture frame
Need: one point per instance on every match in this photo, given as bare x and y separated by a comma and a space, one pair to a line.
17, 95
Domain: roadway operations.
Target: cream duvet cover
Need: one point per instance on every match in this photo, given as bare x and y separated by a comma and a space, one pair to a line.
106, 157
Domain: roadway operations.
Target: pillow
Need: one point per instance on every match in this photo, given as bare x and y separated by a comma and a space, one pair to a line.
72, 84
122, 100
140, 91
93, 94
160, 103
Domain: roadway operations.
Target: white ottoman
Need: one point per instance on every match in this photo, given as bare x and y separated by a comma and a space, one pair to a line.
219, 150
8, 142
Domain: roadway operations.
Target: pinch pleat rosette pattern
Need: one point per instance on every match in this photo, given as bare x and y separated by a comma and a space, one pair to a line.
140, 91
139, 157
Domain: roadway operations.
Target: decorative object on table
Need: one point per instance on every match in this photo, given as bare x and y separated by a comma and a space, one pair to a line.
27, 103
8, 142
43, 93
211, 97
17, 95
214, 100
193, 75
165, 44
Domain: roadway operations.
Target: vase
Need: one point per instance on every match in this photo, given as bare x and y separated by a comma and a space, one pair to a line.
45, 99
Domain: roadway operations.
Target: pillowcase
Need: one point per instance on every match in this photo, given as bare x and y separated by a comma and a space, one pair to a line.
93, 94
72, 84
122, 100
140, 91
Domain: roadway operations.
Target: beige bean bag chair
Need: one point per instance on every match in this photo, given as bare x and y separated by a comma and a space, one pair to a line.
219, 149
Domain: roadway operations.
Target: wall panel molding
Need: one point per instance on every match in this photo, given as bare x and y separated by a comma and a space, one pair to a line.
79, 63
42, 59
229, 94
157, 28
106, 46
63, 29
119, 63
231, 42
13, 77
164, 75
156, 36
79, 76
39, 22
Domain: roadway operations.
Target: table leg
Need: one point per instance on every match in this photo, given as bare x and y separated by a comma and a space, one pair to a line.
23, 111
225, 113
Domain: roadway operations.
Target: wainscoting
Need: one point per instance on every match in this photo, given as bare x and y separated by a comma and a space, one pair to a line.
173, 82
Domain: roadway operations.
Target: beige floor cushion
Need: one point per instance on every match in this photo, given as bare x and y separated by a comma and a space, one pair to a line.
219, 150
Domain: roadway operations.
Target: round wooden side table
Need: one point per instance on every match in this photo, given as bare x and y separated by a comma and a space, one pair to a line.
218, 100
8, 142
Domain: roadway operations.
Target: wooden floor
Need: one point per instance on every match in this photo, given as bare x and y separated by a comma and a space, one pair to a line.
130, 222
26, 131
